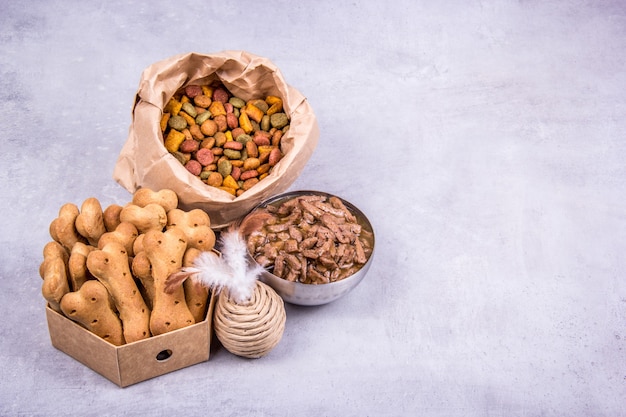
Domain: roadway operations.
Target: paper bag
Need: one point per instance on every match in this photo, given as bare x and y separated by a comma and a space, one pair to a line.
145, 163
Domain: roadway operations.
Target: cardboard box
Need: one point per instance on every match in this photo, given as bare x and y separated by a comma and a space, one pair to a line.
134, 362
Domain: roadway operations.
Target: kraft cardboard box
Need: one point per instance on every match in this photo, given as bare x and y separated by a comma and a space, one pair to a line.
134, 362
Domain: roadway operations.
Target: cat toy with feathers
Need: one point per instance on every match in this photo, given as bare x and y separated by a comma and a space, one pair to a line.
241, 296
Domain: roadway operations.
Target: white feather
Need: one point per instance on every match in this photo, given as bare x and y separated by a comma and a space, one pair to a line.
230, 270
234, 252
211, 270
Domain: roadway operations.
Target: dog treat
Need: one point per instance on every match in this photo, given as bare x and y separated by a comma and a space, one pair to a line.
165, 252
110, 266
142, 269
90, 221
63, 228
166, 198
51, 250
150, 217
129, 251
213, 126
53, 270
111, 216
141, 266
125, 233
196, 225
91, 307
196, 295
138, 244
77, 265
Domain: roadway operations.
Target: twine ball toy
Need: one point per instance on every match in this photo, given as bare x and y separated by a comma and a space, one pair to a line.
252, 328
249, 318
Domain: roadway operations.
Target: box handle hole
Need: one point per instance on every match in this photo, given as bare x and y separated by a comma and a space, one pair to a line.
163, 355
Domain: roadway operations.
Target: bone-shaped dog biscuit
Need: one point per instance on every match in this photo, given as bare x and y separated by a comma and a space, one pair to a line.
110, 265
196, 225
165, 198
151, 217
196, 295
91, 307
165, 252
90, 221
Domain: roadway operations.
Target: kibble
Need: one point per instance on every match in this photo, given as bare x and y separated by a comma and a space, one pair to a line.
192, 91
236, 102
232, 154
202, 117
233, 144
205, 156
194, 167
221, 95
279, 120
177, 123
202, 101
208, 127
188, 146
229, 143
224, 167
214, 179
189, 109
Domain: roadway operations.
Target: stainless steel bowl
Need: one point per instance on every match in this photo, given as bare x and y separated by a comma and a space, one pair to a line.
316, 294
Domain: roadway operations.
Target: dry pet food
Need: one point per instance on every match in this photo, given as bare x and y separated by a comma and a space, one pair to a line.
227, 142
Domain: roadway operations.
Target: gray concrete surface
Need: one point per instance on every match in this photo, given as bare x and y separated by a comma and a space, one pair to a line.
485, 140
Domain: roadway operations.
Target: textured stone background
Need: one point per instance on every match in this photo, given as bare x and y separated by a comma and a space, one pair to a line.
485, 140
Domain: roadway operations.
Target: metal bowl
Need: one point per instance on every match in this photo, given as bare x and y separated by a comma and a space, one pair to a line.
316, 294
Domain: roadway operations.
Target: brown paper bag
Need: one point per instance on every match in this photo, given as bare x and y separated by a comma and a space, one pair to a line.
144, 161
